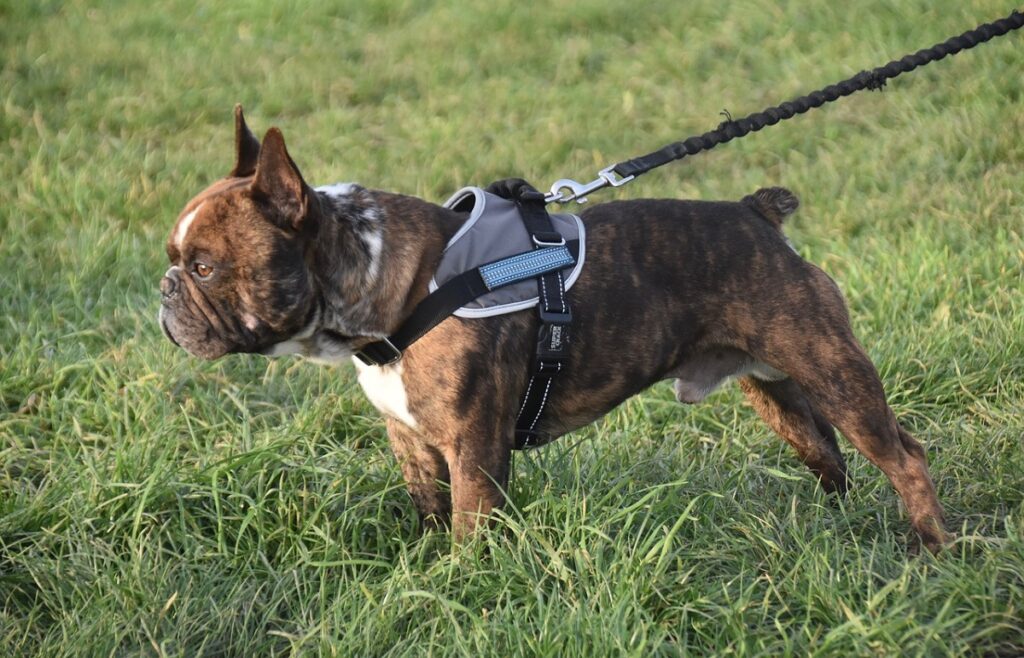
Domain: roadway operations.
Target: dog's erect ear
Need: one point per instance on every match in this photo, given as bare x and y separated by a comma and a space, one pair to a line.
278, 181
247, 147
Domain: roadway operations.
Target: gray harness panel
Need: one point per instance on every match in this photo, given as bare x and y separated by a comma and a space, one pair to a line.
494, 231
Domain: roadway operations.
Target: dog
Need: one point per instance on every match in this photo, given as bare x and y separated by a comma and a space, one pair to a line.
694, 291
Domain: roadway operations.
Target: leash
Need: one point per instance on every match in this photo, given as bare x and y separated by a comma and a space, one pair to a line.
616, 175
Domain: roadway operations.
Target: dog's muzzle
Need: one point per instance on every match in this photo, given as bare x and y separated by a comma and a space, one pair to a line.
169, 286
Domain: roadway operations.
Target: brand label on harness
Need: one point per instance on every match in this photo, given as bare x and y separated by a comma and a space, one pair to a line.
556, 338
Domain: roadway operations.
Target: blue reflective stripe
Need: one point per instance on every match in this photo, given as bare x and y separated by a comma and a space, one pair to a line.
525, 266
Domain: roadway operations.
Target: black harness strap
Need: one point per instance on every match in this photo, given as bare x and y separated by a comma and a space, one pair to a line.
552, 349
436, 307
429, 313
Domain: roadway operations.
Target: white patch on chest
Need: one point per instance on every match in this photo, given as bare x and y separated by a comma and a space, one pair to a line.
383, 386
184, 225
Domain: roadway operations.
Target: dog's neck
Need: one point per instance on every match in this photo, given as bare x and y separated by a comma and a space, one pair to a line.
373, 257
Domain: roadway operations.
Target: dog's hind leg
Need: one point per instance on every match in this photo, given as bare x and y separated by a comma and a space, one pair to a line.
821, 354
787, 410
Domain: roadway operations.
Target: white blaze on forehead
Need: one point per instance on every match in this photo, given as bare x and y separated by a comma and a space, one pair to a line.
184, 225
383, 385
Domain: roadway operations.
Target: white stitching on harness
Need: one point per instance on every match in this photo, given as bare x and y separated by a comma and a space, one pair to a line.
543, 400
561, 290
526, 397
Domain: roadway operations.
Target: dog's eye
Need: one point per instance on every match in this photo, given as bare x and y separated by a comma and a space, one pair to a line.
202, 270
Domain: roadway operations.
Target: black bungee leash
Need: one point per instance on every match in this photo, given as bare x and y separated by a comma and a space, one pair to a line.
565, 190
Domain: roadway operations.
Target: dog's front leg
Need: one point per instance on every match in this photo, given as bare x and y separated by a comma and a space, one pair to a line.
426, 475
479, 477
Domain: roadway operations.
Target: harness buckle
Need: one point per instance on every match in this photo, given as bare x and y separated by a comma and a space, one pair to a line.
554, 317
379, 353
552, 348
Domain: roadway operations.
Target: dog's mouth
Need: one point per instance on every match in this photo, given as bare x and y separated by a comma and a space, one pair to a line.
163, 326
195, 342
310, 341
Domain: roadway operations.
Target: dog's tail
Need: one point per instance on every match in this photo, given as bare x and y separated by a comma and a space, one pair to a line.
773, 203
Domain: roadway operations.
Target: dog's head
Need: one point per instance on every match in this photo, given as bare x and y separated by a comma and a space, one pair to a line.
239, 279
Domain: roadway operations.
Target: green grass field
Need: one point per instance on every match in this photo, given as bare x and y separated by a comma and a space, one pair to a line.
154, 504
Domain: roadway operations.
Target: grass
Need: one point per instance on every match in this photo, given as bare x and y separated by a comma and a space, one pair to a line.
153, 504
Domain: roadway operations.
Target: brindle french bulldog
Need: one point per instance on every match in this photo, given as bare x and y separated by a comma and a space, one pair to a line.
694, 291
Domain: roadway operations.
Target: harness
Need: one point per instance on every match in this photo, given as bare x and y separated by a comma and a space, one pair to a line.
509, 255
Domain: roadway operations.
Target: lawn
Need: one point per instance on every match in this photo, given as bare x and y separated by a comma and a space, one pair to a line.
155, 504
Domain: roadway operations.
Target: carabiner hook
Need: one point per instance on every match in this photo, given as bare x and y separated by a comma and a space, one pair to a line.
578, 191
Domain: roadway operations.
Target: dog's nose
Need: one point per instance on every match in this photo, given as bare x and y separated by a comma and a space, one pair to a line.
168, 286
